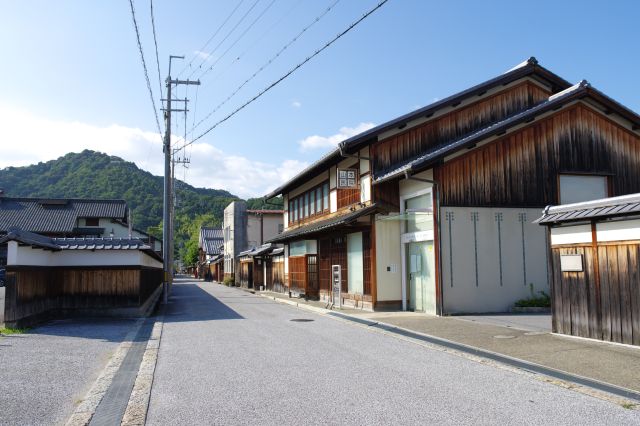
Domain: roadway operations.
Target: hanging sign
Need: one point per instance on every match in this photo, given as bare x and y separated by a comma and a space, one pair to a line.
347, 178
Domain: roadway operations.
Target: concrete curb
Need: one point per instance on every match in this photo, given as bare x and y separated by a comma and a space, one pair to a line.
87, 407
138, 405
615, 394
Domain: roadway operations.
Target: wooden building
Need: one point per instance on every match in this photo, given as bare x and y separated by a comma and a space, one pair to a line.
210, 244
448, 193
261, 268
59, 277
595, 268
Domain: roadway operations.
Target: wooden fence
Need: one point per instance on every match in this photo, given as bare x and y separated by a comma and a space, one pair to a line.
36, 293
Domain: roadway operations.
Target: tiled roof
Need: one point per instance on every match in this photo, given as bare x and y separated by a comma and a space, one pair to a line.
324, 224
55, 216
92, 244
211, 240
607, 207
209, 232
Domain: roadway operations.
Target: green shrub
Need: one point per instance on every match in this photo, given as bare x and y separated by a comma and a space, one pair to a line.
542, 301
228, 281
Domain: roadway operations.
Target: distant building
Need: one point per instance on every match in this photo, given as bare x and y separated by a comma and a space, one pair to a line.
210, 244
246, 229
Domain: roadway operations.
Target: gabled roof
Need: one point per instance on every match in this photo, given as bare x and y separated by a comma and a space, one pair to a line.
554, 102
55, 215
530, 67
606, 207
207, 232
212, 246
323, 225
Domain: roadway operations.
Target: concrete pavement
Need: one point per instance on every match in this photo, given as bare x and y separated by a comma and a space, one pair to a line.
229, 357
47, 371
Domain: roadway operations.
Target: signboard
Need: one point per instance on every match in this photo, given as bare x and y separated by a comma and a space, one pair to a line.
336, 285
571, 263
347, 178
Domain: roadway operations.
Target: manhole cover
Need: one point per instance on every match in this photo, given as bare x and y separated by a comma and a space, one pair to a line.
301, 320
502, 336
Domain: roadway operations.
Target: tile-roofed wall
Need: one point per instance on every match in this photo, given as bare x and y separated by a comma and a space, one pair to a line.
207, 233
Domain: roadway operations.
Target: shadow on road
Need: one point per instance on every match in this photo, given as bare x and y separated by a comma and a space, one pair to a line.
189, 302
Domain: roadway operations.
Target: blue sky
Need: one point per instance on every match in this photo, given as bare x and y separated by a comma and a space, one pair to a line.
72, 77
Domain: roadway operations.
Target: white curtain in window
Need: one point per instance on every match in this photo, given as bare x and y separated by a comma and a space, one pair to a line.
355, 263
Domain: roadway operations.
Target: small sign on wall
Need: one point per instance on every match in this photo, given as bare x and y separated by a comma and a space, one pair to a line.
347, 178
571, 263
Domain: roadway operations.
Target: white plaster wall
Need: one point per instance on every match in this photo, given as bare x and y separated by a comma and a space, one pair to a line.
285, 215
286, 258
253, 231
333, 171
623, 230
389, 283
317, 180
409, 186
364, 164
571, 235
28, 256
365, 189
333, 201
466, 292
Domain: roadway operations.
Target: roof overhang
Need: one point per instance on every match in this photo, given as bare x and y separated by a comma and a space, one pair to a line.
325, 225
626, 205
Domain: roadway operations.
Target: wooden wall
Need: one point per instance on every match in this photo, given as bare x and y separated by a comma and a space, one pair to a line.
603, 302
388, 153
521, 169
33, 291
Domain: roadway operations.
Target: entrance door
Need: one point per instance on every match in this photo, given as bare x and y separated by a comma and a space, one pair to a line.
421, 277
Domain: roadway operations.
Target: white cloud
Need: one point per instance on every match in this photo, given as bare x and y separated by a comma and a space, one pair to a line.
28, 139
296, 104
316, 142
202, 55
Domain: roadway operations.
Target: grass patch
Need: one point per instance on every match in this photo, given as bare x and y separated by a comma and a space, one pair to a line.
535, 301
628, 405
9, 331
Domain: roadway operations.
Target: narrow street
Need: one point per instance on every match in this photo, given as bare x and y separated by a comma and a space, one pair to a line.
230, 357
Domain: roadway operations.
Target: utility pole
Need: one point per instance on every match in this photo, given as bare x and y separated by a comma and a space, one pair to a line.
174, 197
167, 219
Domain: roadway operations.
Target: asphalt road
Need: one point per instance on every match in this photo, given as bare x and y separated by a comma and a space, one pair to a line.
229, 357
44, 373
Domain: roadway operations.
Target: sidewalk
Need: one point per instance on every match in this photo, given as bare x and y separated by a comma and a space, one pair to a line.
614, 364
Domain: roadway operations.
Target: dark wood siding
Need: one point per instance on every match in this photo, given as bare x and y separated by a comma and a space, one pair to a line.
410, 144
32, 293
521, 169
603, 302
387, 194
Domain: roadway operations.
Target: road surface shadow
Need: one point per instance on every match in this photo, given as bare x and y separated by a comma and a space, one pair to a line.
189, 302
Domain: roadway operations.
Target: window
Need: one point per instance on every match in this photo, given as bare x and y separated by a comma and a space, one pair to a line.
291, 211
295, 210
577, 188
306, 204
312, 203
325, 196
319, 199
355, 264
92, 221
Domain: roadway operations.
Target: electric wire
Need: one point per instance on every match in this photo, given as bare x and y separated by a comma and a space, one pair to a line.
155, 42
144, 66
271, 60
255, 42
237, 39
291, 71
212, 37
225, 38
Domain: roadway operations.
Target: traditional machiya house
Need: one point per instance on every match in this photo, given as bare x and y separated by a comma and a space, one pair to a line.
244, 230
442, 220
595, 268
69, 217
262, 268
210, 242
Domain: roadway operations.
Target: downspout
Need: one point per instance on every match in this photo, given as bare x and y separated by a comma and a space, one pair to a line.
436, 185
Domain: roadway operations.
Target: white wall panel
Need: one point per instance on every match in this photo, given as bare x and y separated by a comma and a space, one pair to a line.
622, 230
578, 234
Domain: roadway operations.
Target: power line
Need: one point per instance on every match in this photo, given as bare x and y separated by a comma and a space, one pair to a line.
257, 40
155, 42
212, 37
291, 71
144, 66
270, 61
227, 36
238, 39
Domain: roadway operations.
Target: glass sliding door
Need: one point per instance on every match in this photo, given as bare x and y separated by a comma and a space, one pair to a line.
421, 276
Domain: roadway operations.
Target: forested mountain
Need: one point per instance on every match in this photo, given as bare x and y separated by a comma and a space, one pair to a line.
91, 174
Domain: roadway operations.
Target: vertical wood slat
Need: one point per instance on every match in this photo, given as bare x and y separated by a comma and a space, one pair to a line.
626, 319
634, 284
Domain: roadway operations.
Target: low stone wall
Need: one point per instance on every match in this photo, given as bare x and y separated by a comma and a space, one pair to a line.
34, 294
